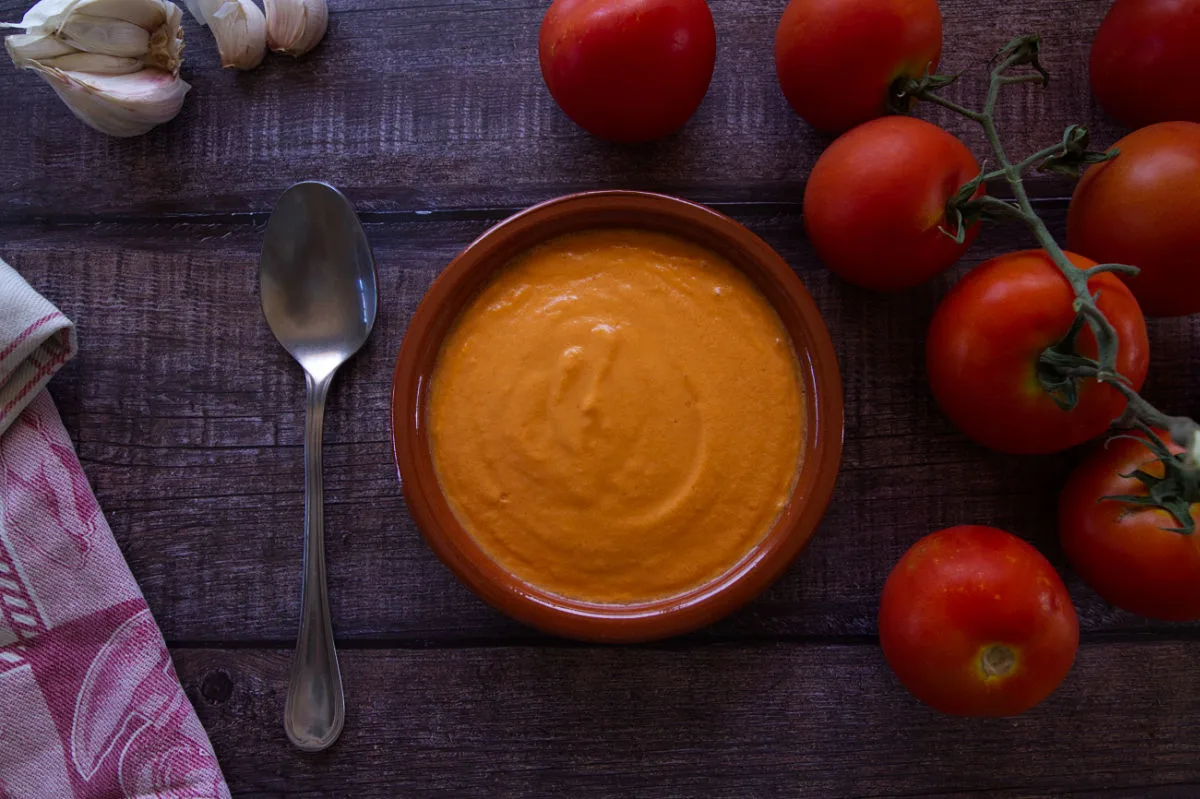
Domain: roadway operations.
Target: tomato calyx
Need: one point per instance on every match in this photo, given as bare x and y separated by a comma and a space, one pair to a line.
1023, 51
906, 90
1174, 491
1075, 155
1060, 367
964, 209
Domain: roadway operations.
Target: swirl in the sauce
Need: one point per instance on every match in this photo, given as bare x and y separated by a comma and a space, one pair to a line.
617, 416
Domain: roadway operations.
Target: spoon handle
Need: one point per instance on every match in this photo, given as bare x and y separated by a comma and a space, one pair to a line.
316, 708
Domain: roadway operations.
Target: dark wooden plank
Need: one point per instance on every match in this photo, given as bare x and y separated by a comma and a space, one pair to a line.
414, 105
188, 418
714, 721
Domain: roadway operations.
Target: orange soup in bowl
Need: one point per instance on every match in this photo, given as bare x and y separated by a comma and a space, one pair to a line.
617, 416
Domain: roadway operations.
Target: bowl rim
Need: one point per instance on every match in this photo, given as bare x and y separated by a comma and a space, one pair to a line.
458, 283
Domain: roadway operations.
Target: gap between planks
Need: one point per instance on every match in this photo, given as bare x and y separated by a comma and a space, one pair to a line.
532, 639
462, 214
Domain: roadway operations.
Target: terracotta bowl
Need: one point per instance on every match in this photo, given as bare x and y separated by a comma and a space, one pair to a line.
660, 618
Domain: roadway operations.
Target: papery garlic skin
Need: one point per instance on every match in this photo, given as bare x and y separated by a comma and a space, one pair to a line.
115, 63
239, 27
295, 26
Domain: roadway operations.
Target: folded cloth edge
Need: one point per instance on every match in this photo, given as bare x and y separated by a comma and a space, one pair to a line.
36, 340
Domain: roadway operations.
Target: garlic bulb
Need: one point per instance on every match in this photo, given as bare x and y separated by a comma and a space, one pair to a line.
295, 26
115, 63
239, 28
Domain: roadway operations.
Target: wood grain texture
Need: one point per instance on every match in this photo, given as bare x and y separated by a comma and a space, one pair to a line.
188, 419
785, 720
409, 105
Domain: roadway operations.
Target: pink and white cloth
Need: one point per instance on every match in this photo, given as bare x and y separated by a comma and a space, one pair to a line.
90, 705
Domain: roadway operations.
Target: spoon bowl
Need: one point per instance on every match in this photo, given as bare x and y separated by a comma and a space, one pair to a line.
319, 296
317, 276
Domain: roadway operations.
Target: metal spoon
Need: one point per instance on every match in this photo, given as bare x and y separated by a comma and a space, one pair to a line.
318, 293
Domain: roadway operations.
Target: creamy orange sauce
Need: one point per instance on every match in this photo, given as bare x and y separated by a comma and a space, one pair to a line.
617, 416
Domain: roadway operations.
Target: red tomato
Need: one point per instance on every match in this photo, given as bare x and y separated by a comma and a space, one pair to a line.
1143, 208
1123, 551
984, 344
628, 70
837, 59
1145, 64
876, 199
975, 622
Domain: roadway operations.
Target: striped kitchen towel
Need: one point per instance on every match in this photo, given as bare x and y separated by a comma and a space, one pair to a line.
90, 705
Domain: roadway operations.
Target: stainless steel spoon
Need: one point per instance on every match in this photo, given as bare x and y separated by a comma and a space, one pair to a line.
318, 293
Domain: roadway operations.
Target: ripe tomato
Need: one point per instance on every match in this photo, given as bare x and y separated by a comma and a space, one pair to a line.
1143, 208
1127, 552
988, 334
975, 622
876, 199
1145, 63
837, 59
628, 70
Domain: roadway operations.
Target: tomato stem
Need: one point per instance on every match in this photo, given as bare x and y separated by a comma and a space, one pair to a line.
1061, 366
944, 103
1122, 269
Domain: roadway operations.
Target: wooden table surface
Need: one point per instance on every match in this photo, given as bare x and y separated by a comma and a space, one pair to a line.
433, 118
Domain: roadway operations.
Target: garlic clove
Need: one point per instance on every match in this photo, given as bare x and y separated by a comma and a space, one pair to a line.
95, 63
119, 105
295, 26
104, 35
241, 33
48, 16
24, 47
148, 14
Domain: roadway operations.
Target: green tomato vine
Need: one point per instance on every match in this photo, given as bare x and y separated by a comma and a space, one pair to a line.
1061, 367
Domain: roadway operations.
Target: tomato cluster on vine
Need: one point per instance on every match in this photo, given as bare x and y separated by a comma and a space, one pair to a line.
972, 619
